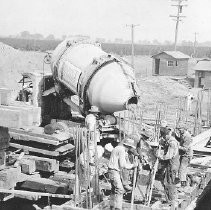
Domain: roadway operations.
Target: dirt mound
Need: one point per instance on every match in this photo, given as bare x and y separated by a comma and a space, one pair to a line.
160, 89
14, 62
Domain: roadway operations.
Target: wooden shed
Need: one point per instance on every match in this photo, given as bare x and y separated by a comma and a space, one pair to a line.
170, 63
203, 74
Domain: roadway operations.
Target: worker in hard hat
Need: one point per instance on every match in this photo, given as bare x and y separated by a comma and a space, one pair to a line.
92, 125
117, 162
170, 159
186, 153
91, 118
132, 153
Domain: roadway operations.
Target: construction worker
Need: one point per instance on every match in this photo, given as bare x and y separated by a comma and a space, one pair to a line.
91, 118
125, 173
186, 154
170, 159
92, 125
117, 162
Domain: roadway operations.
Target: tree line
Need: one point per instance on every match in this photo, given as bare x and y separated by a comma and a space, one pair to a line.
116, 48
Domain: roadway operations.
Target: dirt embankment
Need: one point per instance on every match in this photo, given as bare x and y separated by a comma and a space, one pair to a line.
14, 62
160, 89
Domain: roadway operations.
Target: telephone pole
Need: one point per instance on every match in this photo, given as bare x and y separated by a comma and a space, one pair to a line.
178, 18
194, 44
132, 42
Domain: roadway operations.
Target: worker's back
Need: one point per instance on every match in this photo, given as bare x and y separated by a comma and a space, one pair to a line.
91, 122
117, 152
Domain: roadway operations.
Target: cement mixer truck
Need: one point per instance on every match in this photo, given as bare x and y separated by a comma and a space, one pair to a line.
81, 68
84, 75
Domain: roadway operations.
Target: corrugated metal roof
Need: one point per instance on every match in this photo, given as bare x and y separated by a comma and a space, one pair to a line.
203, 65
175, 54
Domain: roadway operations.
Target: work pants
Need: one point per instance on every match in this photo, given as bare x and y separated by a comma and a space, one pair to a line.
170, 185
117, 190
183, 169
125, 173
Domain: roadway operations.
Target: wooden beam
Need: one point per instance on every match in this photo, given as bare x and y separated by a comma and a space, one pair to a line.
41, 194
201, 137
59, 151
39, 132
26, 137
44, 185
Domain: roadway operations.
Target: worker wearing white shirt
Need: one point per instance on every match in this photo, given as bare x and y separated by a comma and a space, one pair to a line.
91, 119
92, 124
117, 162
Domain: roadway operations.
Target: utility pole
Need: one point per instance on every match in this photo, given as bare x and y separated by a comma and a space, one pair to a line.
178, 17
132, 42
194, 44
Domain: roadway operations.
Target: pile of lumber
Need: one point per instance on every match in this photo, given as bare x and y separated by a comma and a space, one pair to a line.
36, 141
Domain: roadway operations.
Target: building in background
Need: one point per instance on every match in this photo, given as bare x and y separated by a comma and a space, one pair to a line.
170, 63
203, 74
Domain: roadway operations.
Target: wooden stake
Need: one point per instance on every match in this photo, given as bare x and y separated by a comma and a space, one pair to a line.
85, 168
134, 186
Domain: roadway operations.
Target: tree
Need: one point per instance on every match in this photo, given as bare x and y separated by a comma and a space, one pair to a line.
37, 36
167, 42
25, 35
155, 42
50, 37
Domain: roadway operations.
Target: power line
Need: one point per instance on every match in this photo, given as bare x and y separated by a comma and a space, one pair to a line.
194, 44
178, 17
132, 42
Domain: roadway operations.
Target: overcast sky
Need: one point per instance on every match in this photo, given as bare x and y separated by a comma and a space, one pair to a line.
105, 18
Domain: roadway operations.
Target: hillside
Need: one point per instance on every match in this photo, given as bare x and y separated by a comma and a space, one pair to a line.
14, 62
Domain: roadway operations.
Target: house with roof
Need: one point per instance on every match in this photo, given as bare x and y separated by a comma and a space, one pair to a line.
203, 74
170, 63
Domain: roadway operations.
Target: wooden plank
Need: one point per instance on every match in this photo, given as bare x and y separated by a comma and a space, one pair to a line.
65, 148
26, 137
39, 132
59, 151
201, 137
41, 194
44, 185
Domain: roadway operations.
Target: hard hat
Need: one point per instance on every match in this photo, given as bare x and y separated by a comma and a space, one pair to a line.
135, 137
144, 134
100, 151
129, 142
94, 109
182, 127
109, 147
164, 123
164, 131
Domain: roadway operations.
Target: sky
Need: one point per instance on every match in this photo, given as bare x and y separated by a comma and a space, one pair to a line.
106, 18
